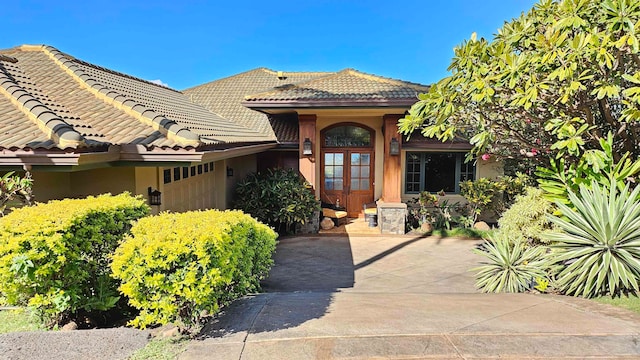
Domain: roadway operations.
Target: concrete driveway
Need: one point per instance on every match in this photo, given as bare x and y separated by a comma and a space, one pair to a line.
404, 298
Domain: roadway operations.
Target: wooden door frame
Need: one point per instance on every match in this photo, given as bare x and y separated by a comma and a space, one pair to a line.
347, 164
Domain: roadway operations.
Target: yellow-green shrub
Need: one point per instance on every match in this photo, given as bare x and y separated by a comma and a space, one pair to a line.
173, 267
54, 257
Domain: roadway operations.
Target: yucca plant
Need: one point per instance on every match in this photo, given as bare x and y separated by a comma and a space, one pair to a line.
600, 241
511, 266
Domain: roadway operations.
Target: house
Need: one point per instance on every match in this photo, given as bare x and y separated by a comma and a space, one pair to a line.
81, 129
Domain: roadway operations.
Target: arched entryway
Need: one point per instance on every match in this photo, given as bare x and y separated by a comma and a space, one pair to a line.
347, 166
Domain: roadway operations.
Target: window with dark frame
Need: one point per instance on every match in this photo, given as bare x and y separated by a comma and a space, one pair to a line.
437, 171
193, 171
176, 174
185, 172
167, 175
199, 169
206, 167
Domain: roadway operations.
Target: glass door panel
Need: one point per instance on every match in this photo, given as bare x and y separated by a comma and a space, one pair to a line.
360, 171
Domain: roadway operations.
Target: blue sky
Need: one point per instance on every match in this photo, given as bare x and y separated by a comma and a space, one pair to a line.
189, 42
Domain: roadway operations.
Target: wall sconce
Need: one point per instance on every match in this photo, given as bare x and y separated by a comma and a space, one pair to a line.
394, 147
307, 147
229, 172
155, 197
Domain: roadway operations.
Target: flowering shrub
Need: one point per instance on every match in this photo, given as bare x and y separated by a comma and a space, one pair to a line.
176, 267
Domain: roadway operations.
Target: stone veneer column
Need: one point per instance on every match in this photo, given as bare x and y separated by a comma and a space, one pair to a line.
307, 125
392, 168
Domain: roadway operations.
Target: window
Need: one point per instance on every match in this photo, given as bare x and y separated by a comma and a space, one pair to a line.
176, 174
167, 175
206, 167
199, 169
347, 136
436, 171
185, 172
193, 171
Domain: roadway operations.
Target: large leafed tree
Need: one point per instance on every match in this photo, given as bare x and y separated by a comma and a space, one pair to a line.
551, 83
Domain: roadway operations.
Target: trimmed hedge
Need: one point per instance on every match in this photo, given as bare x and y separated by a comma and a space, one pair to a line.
175, 267
54, 257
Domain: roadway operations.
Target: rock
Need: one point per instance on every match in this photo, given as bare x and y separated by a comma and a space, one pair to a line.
426, 227
71, 325
481, 225
327, 224
165, 331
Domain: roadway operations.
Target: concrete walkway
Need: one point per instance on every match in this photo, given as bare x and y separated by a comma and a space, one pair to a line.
404, 298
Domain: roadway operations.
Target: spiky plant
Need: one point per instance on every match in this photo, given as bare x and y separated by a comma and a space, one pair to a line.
600, 241
511, 266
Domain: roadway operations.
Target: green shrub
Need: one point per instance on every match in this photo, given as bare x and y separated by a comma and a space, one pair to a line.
278, 197
14, 187
174, 267
594, 167
599, 246
510, 266
526, 220
54, 257
496, 195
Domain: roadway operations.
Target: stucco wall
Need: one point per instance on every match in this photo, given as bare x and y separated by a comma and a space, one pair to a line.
242, 166
99, 181
374, 122
51, 185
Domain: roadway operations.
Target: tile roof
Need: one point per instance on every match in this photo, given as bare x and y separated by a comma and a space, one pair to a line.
51, 100
345, 88
225, 96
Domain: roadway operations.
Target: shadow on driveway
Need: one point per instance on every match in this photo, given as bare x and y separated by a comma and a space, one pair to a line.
300, 287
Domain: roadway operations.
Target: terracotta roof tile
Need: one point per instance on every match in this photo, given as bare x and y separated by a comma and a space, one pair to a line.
225, 96
61, 102
348, 86
286, 128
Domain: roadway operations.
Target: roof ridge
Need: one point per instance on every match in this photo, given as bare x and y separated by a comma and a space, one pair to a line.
167, 127
71, 57
264, 69
229, 77
379, 78
54, 127
276, 89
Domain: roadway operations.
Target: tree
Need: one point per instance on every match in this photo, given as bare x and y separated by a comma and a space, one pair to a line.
552, 82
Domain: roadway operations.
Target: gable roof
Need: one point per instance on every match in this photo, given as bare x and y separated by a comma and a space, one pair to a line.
346, 88
50, 100
225, 96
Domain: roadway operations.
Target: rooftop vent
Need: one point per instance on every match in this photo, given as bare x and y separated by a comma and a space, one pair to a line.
281, 75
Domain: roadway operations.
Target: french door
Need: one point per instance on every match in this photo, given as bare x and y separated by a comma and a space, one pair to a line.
347, 178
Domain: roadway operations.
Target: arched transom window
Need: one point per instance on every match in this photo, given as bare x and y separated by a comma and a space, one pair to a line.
347, 136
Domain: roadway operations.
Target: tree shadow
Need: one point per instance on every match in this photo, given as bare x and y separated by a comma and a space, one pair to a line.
300, 287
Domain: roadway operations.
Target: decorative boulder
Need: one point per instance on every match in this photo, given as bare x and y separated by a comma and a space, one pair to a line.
327, 224
481, 225
426, 227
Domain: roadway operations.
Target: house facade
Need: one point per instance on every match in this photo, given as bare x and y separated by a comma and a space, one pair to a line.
81, 129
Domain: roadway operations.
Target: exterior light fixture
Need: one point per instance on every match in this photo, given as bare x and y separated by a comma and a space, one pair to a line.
229, 171
394, 147
307, 147
155, 197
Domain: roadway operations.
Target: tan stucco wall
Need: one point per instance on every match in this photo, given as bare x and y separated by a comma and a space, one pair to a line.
374, 122
242, 166
51, 185
99, 181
